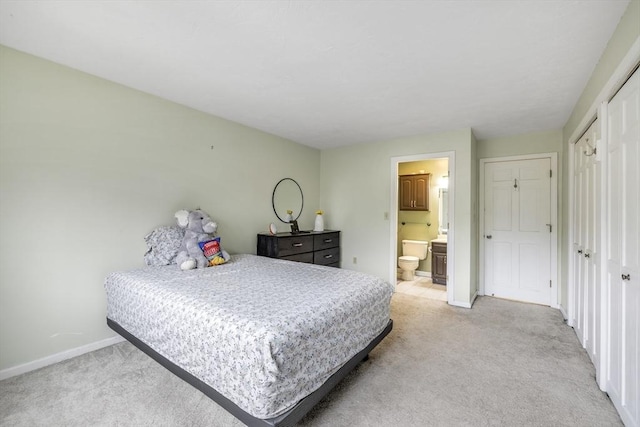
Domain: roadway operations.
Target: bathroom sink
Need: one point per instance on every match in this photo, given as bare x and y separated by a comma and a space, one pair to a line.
440, 240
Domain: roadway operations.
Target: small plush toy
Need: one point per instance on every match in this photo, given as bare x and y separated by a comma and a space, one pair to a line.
200, 247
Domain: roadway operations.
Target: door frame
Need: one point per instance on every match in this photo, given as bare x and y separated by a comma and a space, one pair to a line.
393, 217
554, 219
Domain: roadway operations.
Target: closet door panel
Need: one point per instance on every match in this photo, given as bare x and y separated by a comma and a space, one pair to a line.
630, 254
631, 190
623, 262
578, 246
614, 227
585, 284
591, 285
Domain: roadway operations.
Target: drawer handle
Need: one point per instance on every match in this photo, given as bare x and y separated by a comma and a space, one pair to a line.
328, 256
328, 240
296, 245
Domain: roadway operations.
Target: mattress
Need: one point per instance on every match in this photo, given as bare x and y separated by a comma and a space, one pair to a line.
263, 332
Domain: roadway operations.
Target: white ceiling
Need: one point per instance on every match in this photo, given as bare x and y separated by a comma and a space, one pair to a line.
332, 73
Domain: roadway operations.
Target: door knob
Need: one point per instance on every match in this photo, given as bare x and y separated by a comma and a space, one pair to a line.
489, 236
626, 277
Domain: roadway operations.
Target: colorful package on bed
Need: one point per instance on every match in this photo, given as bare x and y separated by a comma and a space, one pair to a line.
212, 251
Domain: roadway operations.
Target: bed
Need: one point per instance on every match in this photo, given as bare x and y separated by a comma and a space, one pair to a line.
264, 338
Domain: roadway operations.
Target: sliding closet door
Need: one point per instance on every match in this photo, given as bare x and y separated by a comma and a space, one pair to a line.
623, 250
590, 255
586, 223
578, 236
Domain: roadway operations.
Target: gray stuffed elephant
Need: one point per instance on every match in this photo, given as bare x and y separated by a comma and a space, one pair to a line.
199, 227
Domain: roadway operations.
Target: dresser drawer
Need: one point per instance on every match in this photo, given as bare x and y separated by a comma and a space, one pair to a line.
294, 245
439, 247
327, 256
326, 241
306, 257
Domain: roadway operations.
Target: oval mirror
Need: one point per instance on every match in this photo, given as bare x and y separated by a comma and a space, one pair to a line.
287, 196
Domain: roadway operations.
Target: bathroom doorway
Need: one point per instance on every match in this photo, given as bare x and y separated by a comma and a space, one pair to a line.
428, 218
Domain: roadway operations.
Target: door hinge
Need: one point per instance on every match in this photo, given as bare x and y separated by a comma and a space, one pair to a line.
550, 284
550, 173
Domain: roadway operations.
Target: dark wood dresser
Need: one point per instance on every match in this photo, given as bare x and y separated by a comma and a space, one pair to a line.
315, 247
439, 262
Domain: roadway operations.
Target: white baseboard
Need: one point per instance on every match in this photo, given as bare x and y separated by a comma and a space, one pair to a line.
58, 357
464, 304
460, 304
564, 313
473, 298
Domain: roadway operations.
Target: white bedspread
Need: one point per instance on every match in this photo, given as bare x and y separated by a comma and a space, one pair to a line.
263, 332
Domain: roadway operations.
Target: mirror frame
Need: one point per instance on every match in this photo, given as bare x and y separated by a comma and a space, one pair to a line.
273, 199
443, 206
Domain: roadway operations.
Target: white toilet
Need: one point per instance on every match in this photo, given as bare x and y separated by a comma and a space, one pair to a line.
412, 252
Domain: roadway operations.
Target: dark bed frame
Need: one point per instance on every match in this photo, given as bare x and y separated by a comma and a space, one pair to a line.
290, 417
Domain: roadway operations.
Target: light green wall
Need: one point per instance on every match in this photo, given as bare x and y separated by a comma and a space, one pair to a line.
626, 34
88, 168
356, 194
518, 145
415, 227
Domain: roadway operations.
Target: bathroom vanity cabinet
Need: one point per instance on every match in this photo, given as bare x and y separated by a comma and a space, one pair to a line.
439, 262
315, 247
413, 192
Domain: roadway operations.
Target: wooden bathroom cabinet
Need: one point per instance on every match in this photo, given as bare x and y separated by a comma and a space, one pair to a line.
413, 192
439, 263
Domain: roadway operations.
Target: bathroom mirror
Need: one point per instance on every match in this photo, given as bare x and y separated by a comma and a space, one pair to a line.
287, 196
443, 211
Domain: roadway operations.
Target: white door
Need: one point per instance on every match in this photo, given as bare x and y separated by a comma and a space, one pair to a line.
623, 251
591, 177
517, 230
586, 287
578, 243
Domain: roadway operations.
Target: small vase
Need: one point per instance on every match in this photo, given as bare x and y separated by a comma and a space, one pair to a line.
319, 224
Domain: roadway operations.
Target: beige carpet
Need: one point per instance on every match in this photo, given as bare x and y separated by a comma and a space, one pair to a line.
499, 364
